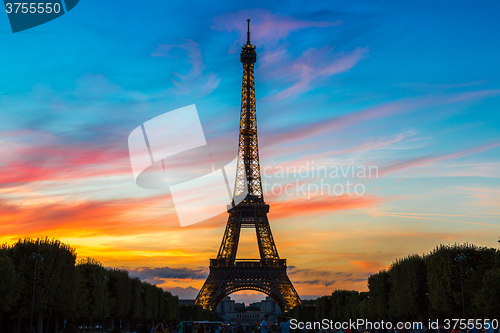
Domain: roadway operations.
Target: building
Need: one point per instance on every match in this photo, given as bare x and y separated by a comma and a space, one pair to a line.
226, 306
186, 302
267, 306
231, 313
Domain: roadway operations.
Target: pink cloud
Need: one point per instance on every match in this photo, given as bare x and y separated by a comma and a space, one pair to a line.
312, 65
316, 129
266, 27
271, 29
302, 132
429, 160
365, 146
37, 156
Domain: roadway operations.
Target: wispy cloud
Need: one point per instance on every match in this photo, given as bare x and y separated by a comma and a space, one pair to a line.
403, 106
315, 129
29, 156
321, 205
271, 30
267, 27
84, 218
368, 266
332, 278
165, 273
434, 218
313, 65
429, 160
194, 82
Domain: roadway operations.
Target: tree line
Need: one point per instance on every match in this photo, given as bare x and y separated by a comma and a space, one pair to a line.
418, 288
42, 285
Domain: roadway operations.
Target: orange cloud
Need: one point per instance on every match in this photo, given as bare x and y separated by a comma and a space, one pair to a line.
320, 205
88, 218
368, 266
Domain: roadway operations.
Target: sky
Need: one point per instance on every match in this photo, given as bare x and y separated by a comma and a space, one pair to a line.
400, 99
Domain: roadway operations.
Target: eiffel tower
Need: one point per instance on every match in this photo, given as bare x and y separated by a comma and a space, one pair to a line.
248, 210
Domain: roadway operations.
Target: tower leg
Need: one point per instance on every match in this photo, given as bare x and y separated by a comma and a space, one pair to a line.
225, 280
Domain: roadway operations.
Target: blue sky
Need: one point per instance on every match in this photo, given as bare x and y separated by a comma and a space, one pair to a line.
411, 87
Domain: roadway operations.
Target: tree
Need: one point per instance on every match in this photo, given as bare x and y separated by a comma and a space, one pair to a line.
444, 278
323, 307
408, 298
172, 306
69, 292
90, 292
136, 308
9, 287
305, 311
380, 287
487, 297
54, 285
344, 305
364, 309
120, 295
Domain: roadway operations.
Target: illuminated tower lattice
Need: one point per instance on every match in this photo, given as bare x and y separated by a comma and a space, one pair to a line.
267, 274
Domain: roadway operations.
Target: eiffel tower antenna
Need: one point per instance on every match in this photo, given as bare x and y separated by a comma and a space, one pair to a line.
248, 31
248, 210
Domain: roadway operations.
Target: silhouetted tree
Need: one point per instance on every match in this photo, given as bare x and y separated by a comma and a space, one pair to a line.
323, 307
408, 297
90, 296
443, 275
9, 286
380, 287
69, 293
344, 305
120, 295
305, 311
487, 298
54, 288
136, 308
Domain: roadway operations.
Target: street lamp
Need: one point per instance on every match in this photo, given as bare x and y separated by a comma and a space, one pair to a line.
459, 258
36, 257
106, 279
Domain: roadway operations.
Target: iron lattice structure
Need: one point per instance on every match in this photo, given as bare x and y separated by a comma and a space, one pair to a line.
267, 274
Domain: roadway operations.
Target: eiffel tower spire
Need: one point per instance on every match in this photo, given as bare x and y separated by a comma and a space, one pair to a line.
248, 31
248, 182
248, 210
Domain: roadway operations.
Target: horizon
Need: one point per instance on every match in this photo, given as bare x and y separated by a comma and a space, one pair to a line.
410, 91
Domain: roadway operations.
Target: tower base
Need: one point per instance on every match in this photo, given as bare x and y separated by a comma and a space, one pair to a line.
267, 276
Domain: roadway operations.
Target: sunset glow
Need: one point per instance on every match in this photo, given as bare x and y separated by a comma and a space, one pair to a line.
410, 91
